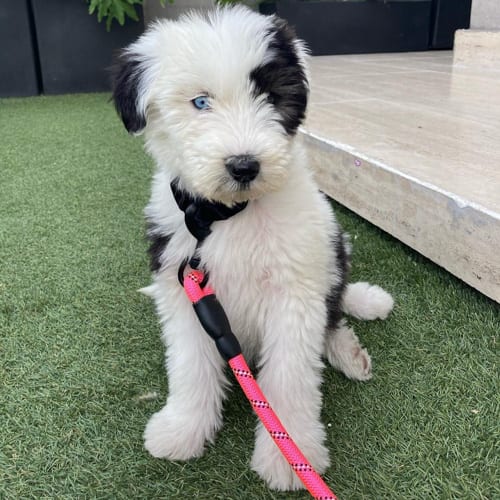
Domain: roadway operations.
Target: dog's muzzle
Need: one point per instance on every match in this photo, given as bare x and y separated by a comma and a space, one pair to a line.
243, 168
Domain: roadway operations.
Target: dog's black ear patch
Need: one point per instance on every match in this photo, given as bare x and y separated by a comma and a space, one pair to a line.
283, 78
127, 74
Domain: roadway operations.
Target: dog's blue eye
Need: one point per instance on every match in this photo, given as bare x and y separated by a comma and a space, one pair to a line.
201, 102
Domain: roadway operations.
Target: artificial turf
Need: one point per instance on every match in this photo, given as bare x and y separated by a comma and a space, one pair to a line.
79, 347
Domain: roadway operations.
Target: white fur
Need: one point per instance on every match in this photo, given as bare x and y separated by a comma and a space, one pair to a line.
272, 264
365, 301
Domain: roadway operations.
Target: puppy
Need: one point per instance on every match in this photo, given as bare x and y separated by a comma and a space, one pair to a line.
219, 98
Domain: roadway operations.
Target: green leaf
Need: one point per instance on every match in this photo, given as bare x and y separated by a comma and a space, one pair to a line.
119, 13
130, 11
100, 12
114, 9
93, 5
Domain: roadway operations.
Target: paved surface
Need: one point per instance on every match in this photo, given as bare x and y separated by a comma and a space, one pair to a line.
426, 134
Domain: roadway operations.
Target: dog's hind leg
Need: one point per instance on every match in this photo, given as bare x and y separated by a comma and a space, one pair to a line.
345, 353
342, 347
364, 301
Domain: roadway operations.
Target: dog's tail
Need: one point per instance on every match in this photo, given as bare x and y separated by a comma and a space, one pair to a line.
149, 291
364, 301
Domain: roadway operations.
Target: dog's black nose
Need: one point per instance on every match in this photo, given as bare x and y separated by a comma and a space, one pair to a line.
243, 168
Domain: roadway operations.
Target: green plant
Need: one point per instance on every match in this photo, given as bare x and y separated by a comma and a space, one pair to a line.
116, 9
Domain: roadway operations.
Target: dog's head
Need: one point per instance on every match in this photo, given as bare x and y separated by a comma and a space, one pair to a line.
219, 97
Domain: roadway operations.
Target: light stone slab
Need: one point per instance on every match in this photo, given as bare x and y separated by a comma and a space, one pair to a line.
485, 14
477, 48
412, 144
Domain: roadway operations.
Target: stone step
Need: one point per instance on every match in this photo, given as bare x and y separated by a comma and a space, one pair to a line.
477, 49
412, 144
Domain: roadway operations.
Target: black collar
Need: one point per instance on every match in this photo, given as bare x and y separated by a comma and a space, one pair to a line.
200, 213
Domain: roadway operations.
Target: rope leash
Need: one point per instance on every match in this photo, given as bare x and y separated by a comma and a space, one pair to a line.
215, 322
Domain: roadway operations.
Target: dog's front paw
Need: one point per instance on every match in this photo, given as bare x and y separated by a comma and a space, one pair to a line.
272, 467
173, 436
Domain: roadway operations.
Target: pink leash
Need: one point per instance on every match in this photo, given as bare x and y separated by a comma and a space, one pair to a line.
214, 320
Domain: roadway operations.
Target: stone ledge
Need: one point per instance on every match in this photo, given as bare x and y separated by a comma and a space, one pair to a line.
460, 236
477, 49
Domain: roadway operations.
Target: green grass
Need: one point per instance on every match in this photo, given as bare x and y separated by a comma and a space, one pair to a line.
79, 345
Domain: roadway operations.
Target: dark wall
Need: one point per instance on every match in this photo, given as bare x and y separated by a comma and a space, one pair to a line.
18, 59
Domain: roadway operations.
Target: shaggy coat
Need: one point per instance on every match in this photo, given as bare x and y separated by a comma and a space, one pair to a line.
219, 99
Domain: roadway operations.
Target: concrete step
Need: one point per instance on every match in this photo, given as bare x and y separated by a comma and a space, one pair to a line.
476, 49
412, 143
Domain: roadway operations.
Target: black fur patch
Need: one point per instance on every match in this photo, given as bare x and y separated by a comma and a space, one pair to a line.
157, 244
126, 80
334, 299
283, 78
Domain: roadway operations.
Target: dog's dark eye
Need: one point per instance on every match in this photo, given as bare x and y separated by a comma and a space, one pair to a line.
201, 102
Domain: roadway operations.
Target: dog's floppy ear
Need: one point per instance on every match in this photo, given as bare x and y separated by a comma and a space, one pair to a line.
283, 76
134, 75
129, 90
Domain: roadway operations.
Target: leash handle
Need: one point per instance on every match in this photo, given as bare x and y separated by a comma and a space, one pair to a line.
215, 322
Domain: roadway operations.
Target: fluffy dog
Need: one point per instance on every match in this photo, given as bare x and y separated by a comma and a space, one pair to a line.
219, 98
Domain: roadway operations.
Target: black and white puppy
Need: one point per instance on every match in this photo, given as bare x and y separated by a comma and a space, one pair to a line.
219, 98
